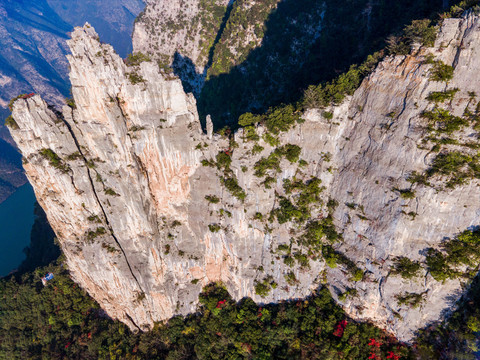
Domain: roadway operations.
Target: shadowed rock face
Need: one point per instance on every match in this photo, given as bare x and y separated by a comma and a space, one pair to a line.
122, 182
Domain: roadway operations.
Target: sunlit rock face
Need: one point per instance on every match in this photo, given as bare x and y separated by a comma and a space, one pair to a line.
124, 176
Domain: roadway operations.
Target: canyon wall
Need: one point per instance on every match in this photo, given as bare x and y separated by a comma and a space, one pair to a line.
148, 208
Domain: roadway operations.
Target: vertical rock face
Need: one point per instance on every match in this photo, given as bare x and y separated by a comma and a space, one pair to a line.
188, 28
148, 208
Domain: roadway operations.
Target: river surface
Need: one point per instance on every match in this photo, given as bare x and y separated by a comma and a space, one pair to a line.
16, 220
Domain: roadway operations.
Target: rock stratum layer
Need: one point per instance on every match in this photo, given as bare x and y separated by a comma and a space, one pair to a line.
148, 208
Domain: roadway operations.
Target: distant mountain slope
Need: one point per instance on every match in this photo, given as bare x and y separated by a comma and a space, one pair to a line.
32, 55
112, 19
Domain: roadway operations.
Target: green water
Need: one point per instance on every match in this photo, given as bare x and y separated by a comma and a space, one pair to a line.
16, 220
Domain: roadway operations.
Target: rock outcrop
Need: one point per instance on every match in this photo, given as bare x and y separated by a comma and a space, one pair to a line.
148, 208
33, 46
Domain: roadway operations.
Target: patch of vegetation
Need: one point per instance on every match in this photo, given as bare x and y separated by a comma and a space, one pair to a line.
74, 156
441, 72
231, 184
406, 268
458, 257
272, 162
60, 321
349, 293
291, 279
135, 59
257, 149
281, 119
412, 300
441, 121
208, 163
442, 96
327, 115
135, 78
91, 235
456, 167
263, 288
11, 123
406, 194
95, 219
223, 161
270, 139
214, 228
249, 119
213, 199
110, 192
176, 223
334, 92
55, 160
291, 152
71, 103
333, 258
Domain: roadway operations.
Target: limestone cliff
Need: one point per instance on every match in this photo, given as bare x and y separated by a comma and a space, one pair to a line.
148, 208
186, 29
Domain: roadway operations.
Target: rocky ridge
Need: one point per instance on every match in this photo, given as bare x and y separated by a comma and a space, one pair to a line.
32, 57
148, 208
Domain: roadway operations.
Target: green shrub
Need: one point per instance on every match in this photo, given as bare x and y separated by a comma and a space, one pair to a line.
136, 59
438, 266
223, 161
284, 248
291, 152
11, 123
421, 32
55, 160
95, 219
231, 184
214, 228
411, 300
270, 139
208, 163
213, 199
441, 121
327, 115
406, 193
249, 119
264, 287
290, 278
135, 78
98, 232
257, 149
111, 192
287, 212
441, 72
449, 163
463, 249
251, 133
281, 119
302, 260
268, 182
272, 162
258, 216
71, 103
289, 261
334, 92
442, 96
405, 267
